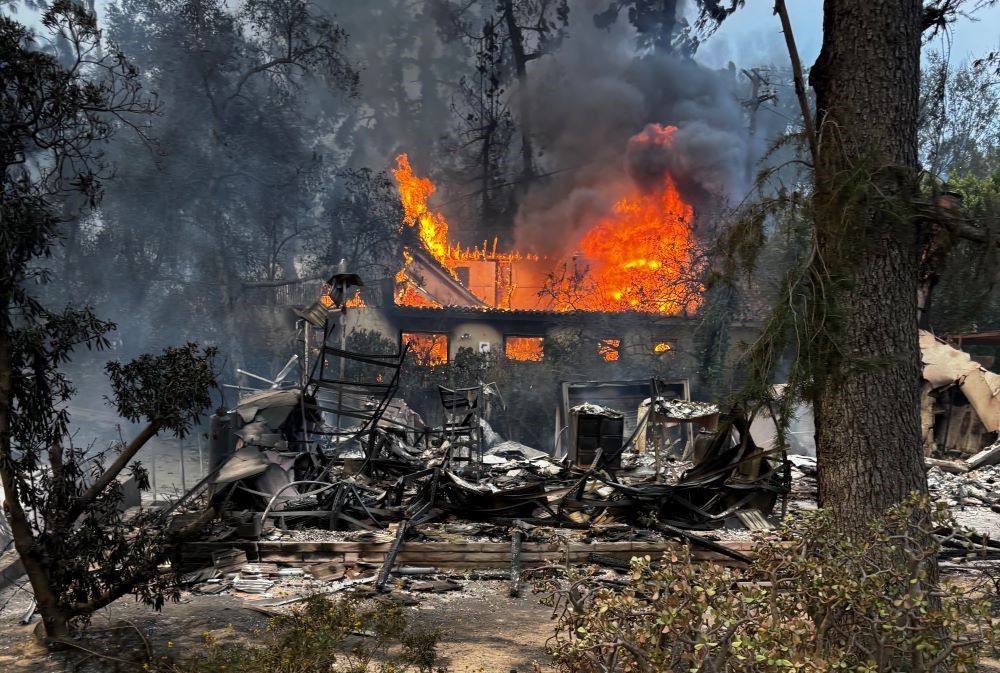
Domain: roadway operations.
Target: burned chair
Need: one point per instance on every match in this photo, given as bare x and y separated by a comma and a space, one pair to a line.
462, 427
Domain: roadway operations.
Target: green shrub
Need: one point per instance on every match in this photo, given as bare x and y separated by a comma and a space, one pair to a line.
325, 636
812, 601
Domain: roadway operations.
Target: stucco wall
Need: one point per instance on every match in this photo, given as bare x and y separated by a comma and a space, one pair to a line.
471, 335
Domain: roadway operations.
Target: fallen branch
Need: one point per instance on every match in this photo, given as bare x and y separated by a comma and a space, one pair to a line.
697, 540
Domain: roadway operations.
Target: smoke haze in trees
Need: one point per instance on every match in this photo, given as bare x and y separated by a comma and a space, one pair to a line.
259, 180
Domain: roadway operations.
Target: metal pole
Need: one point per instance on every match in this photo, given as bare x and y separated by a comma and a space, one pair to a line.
305, 354
343, 347
180, 446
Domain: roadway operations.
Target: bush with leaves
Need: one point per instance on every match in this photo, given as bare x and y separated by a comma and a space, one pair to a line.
813, 600
326, 636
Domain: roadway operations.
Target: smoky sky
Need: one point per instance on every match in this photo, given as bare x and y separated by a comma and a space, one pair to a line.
595, 94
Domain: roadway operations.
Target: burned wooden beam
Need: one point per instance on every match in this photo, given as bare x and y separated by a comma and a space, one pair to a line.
516, 538
697, 540
390, 557
609, 561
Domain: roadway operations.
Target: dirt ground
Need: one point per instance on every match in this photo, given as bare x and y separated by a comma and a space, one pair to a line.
484, 631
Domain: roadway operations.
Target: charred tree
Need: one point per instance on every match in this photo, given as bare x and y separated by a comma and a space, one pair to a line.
661, 26
486, 119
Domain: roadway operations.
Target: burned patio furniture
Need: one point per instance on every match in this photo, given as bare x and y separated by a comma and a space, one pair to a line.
462, 427
352, 391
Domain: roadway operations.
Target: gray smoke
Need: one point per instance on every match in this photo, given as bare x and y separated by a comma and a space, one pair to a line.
704, 160
596, 93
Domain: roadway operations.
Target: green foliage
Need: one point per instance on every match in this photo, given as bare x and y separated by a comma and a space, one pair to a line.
53, 118
980, 195
663, 26
798, 320
326, 636
242, 182
93, 553
63, 502
964, 299
959, 131
364, 226
814, 600
169, 390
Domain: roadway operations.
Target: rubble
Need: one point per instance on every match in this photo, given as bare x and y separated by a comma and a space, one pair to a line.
988, 456
339, 459
684, 409
977, 488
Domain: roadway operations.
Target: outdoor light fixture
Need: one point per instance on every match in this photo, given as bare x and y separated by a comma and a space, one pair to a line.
341, 279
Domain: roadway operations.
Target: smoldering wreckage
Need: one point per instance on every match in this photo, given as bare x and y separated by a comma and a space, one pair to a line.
332, 481
338, 479
335, 474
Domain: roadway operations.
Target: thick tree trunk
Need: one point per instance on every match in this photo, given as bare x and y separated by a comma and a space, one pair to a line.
867, 409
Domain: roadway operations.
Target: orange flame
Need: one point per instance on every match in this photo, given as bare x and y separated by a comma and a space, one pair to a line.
356, 301
661, 347
524, 349
641, 253
406, 294
414, 192
638, 258
428, 349
432, 228
608, 349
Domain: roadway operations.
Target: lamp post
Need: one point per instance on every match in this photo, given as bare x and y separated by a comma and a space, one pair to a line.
319, 311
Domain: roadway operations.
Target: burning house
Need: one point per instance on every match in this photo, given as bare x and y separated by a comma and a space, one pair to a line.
631, 279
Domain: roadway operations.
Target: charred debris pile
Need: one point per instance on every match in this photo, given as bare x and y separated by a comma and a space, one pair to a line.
293, 467
339, 451
336, 479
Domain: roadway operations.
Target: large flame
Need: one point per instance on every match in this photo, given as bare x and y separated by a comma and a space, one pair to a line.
432, 227
429, 349
641, 255
414, 192
637, 258
526, 349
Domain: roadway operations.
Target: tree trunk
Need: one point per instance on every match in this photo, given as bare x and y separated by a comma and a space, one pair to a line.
521, 69
663, 40
868, 375
47, 602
